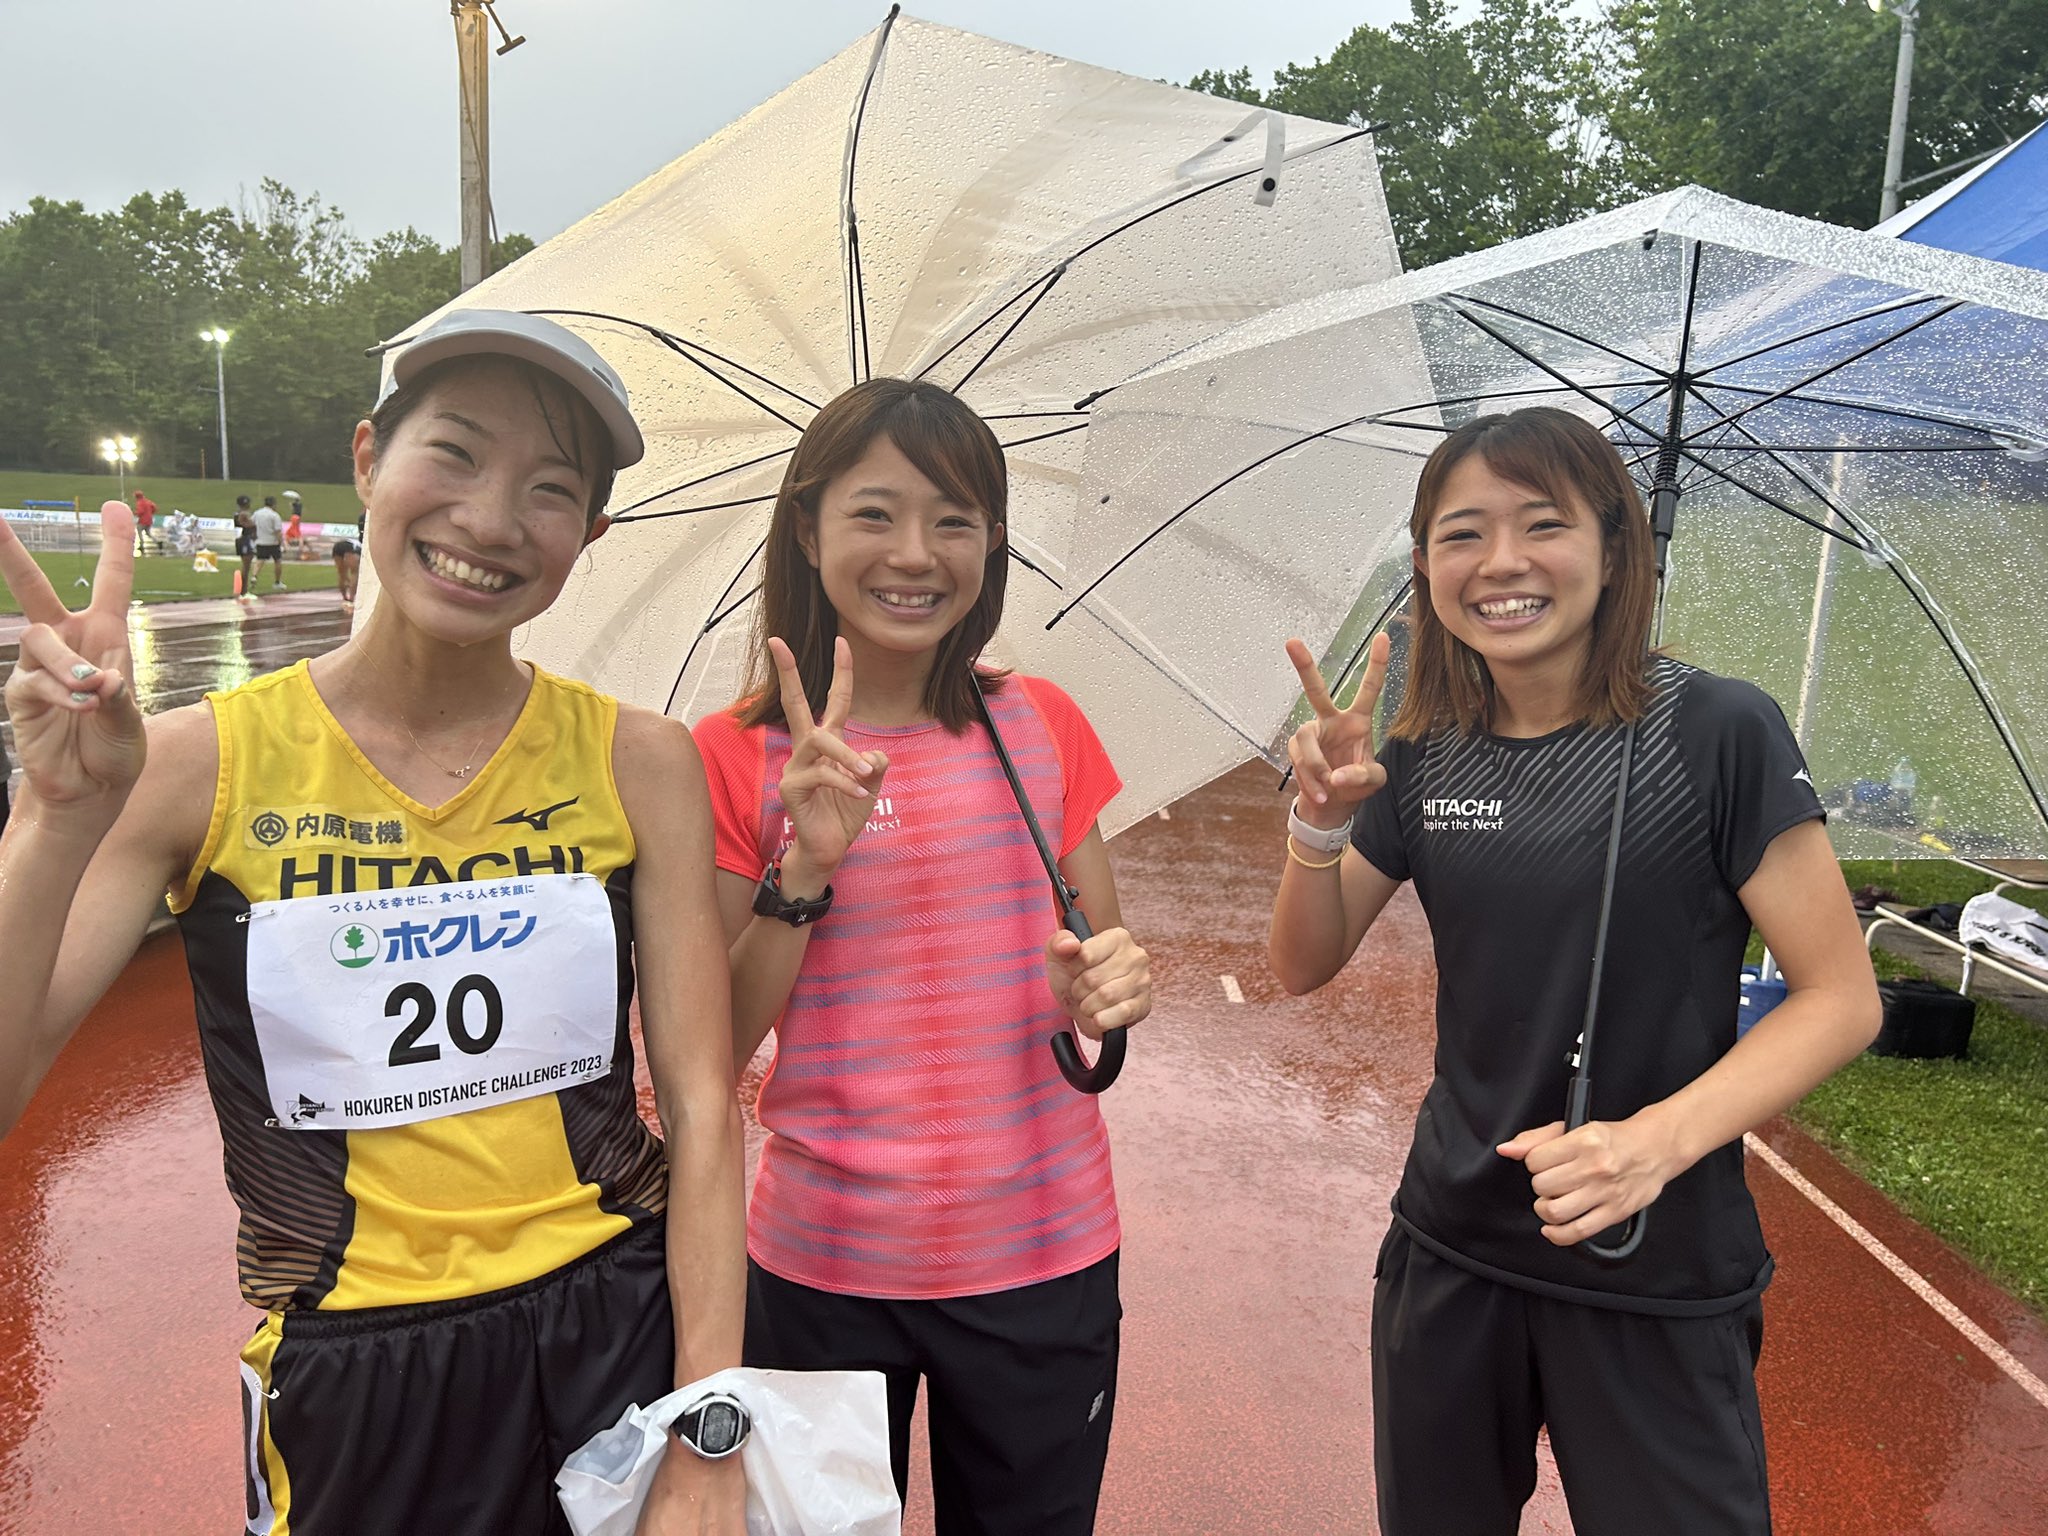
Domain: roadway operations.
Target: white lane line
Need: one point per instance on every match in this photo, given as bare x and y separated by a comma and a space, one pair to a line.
1232, 990
1165, 814
1998, 1354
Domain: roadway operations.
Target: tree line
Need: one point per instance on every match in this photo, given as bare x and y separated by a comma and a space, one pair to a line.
101, 314
1527, 114
1511, 117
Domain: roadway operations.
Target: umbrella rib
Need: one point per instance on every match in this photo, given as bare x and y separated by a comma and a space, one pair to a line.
1029, 564
1835, 367
1124, 228
1079, 426
1842, 402
715, 506
717, 618
1560, 330
1773, 502
1935, 616
1051, 282
1822, 330
857, 360
686, 347
1616, 413
1235, 475
730, 469
1507, 394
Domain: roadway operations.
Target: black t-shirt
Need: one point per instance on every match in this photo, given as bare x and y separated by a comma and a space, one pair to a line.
1506, 841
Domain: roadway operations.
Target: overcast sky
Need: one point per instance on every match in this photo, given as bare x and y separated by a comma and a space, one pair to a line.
356, 99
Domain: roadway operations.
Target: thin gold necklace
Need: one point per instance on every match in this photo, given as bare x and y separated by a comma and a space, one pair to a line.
466, 769
454, 773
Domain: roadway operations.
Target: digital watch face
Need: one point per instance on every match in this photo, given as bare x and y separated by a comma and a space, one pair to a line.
718, 1430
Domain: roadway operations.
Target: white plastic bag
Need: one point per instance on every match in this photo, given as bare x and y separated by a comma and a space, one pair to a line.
817, 1462
2015, 934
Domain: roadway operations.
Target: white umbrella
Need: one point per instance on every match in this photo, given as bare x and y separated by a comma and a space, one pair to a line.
1022, 228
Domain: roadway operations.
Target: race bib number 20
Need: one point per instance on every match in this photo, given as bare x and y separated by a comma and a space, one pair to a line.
400, 1006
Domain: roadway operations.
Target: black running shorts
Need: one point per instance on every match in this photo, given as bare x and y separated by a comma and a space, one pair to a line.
451, 1416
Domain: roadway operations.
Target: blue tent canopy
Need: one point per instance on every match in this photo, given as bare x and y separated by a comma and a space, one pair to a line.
2000, 210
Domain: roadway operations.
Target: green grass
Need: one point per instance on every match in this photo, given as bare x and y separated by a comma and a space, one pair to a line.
1960, 1146
167, 579
323, 503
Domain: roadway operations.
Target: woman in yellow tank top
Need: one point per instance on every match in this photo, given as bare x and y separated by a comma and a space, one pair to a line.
419, 880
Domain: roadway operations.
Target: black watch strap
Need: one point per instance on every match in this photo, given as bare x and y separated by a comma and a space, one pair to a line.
769, 900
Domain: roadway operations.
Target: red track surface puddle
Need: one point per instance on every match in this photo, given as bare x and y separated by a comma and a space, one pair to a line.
1256, 1146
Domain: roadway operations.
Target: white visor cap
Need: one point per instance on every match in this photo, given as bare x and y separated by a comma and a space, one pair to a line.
531, 339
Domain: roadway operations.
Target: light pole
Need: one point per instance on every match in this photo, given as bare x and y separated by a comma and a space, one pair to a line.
472, 37
219, 337
1908, 12
119, 452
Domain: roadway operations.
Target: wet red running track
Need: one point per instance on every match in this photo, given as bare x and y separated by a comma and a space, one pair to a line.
1256, 1143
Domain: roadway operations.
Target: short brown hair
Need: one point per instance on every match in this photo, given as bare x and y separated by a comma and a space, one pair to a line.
1571, 463
951, 447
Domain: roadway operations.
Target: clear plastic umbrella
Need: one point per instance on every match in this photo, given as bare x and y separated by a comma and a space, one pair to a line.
1024, 229
1845, 436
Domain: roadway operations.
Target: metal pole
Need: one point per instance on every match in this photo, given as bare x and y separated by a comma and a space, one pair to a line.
220, 381
1817, 629
1908, 12
472, 38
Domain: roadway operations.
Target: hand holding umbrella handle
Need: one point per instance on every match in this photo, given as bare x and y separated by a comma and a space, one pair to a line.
1578, 1107
1111, 1059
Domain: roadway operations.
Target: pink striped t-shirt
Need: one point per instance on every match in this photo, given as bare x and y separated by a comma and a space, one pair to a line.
921, 1142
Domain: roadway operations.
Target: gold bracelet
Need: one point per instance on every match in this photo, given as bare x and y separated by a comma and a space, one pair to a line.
1295, 854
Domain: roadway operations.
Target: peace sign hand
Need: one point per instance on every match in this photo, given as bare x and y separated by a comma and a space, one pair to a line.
828, 789
77, 729
1333, 753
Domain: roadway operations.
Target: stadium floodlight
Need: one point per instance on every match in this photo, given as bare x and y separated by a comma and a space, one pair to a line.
120, 452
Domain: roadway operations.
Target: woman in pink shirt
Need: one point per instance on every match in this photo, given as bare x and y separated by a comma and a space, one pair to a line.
934, 1201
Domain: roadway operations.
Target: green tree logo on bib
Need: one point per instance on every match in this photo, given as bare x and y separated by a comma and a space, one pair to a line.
354, 946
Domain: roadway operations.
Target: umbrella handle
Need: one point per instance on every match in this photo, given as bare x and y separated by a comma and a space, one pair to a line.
1578, 1106
1631, 1239
1073, 1067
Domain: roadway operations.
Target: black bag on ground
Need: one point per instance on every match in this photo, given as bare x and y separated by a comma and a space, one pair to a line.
1923, 1018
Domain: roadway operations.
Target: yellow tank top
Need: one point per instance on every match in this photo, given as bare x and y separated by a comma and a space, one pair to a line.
469, 1201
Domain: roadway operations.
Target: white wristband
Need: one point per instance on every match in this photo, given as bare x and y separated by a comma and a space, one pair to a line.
1319, 839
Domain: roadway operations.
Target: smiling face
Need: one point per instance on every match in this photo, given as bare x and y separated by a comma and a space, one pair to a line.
1513, 574
901, 563
477, 508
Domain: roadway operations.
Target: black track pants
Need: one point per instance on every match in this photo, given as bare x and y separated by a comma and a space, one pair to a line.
1022, 1388
1653, 1420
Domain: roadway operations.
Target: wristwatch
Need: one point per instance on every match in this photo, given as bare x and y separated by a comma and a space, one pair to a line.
714, 1426
770, 902
1320, 839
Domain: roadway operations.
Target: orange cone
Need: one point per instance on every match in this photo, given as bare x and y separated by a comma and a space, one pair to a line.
238, 583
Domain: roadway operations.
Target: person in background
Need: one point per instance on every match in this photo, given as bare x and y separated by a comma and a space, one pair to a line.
348, 560
294, 529
269, 526
245, 545
145, 523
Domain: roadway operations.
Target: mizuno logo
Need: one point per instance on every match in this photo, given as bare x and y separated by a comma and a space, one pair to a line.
1802, 776
538, 820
